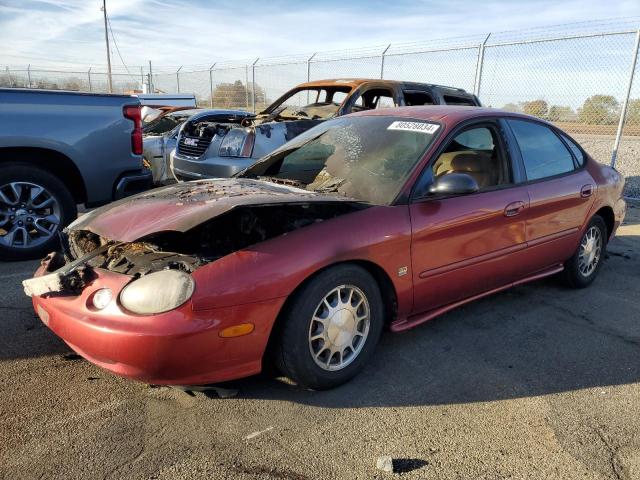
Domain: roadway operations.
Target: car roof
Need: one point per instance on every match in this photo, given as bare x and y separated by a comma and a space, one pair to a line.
443, 113
356, 82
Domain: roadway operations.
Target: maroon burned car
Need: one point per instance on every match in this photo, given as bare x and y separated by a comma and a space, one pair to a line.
389, 216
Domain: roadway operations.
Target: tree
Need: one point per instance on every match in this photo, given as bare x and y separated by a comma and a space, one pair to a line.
633, 112
599, 110
560, 113
237, 95
512, 107
538, 108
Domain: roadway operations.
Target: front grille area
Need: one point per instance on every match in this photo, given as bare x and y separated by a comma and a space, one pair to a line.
193, 146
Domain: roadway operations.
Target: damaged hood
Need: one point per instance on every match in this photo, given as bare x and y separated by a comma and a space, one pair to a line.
182, 206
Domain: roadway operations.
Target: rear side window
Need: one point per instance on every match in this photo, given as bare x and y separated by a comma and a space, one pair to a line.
575, 149
413, 97
455, 100
543, 153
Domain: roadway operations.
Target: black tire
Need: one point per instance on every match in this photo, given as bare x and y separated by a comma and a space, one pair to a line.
572, 276
67, 212
292, 352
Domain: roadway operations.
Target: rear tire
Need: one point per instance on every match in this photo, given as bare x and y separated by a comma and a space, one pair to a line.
331, 328
34, 207
583, 267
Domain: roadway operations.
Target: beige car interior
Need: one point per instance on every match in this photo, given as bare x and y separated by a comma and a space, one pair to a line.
482, 163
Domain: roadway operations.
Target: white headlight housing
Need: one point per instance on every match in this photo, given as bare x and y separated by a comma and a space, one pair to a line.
157, 292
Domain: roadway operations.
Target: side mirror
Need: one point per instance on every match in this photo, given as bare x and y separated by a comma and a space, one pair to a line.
454, 184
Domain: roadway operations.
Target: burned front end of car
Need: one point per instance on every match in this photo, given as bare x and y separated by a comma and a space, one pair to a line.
139, 286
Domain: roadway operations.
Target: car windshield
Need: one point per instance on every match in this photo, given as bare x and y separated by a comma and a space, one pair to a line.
366, 158
313, 102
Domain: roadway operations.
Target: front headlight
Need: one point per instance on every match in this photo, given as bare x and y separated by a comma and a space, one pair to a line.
238, 142
157, 292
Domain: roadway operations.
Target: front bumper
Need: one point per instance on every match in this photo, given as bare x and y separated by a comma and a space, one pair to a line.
186, 168
180, 347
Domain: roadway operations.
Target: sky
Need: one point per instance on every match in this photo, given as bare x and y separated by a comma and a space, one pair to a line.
69, 33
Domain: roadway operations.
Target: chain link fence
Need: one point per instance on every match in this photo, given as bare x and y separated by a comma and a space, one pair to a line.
581, 81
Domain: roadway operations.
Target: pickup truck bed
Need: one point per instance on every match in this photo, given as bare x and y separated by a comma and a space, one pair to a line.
59, 149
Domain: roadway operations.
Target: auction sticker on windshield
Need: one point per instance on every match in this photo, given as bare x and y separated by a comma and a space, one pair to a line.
414, 126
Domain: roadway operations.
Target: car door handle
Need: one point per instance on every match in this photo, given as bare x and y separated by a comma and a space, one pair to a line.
586, 191
514, 208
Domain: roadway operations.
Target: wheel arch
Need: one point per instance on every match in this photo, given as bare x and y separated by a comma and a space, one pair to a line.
51, 161
383, 280
606, 213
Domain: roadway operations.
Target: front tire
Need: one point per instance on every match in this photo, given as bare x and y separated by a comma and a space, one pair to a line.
331, 328
34, 206
583, 267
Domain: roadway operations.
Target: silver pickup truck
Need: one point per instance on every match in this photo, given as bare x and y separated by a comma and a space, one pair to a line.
57, 150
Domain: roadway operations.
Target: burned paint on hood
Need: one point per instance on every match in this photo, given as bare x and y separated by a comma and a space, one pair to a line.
183, 206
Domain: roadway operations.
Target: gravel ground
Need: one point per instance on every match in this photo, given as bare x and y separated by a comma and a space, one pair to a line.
536, 382
628, 161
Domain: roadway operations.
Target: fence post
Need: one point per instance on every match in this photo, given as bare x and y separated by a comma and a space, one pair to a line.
309, 71
211, 84
151, 88
625, 103
246, 83
29, 74
309, 66
253, 85
141, 78
382, 61
479, 65
89, 78
178, 78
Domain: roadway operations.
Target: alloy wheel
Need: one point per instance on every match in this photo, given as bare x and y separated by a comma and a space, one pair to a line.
339, 327
590, 251
29, 215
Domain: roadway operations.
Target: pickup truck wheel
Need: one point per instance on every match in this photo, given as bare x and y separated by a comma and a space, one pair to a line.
34, 207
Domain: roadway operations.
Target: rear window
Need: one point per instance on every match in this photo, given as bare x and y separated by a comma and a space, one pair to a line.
543, 153
575, 150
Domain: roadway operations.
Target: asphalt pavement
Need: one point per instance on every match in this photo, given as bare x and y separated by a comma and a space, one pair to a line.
537, 382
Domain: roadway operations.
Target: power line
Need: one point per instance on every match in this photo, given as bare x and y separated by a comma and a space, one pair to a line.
118, 50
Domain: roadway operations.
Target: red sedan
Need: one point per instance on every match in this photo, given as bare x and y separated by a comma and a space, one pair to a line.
390, 217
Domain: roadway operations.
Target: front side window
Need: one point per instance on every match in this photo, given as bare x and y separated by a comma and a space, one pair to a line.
543, 153
313, 102
366, 158
475, 152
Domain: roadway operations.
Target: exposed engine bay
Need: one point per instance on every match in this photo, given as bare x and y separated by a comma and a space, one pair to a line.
234, 230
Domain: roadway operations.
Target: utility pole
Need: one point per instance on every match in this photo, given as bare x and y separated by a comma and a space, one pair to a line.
106, 37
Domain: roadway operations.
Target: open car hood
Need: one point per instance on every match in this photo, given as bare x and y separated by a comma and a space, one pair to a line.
182, 206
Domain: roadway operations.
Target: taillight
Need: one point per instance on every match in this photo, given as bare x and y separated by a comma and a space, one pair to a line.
132, 112
247, 148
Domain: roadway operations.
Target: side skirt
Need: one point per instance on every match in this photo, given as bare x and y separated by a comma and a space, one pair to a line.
412, 321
